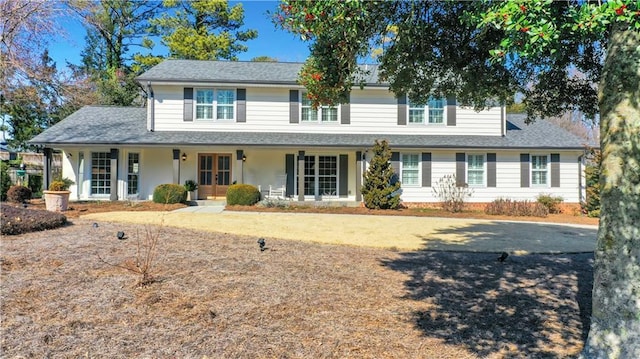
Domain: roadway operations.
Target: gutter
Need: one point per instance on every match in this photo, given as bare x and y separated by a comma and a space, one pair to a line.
151, 119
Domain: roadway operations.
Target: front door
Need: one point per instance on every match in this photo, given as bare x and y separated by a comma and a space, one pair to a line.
214, 174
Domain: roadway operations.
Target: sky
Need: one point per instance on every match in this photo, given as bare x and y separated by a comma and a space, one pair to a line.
272, 42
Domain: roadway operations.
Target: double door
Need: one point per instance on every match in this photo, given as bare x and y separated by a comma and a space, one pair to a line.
214, 174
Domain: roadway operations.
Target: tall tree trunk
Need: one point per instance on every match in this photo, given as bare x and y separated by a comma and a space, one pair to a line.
615, 321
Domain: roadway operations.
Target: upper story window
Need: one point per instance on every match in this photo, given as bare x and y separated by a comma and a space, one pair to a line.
410, 169
220, 102
326, 114
539, 167
475, 170
432, 112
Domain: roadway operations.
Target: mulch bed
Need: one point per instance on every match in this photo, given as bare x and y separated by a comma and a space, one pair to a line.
218, 295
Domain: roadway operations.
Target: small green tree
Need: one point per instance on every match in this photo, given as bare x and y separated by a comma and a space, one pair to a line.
381, 187
592, 178
5, 180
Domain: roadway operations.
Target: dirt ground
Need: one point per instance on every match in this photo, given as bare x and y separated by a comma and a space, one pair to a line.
217, 295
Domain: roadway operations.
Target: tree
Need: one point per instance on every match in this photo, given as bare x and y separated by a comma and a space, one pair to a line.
534, 47
381, 187
264, 59
200, 30
113, 28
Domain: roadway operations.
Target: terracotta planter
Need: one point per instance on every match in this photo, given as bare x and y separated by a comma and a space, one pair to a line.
56, 201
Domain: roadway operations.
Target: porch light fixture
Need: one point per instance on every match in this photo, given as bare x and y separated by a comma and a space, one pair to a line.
244, 158
184, 156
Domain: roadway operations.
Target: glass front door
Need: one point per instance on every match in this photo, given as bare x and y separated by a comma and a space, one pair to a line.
214, 174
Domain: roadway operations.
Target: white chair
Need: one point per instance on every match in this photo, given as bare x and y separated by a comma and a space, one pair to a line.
279, 190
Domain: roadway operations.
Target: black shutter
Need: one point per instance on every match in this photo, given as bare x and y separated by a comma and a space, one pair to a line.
461, 178
451, 111
491, 170
188, 104
524, 170
555, 170
426, 169
402, 110
345, 112
395, 164
289, 165
241, 105
294, 106
343, 190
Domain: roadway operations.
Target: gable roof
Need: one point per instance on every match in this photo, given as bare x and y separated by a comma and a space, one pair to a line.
276, 73
126, 126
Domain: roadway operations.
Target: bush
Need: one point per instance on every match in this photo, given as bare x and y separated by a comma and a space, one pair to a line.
16, 220
507, 207
381, 188
35, 184
243, 195
450, 194
5, 180
591, 206
552, 203
60, 184
169, 193
274, 203
18, 194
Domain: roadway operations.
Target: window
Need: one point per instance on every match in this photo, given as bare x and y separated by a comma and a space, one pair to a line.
539, 170
434, 108
327, 114
320, 176
410, 171
223, 105
133, 170
100, 173
475, 170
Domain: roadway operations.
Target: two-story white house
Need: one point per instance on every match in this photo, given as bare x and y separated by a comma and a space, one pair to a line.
220, 123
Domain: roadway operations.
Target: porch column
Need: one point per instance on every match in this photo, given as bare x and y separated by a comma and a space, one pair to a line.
239, 165
48, 161
176, 166
300, 176
358, 176
114, 175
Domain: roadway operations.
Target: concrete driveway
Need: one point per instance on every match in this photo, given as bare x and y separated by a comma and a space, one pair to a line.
394, 232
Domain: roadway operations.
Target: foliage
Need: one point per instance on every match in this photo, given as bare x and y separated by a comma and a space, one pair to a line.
60, 184
169, 193
381, 187
274, 203
508, 207
18, 194
551, 202
190, 185
264, 59
5, 180
242, 194
16, 220
199, 30
35, 184
451, 195
592, 178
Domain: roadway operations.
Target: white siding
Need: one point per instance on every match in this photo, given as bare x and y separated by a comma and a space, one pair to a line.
267, 109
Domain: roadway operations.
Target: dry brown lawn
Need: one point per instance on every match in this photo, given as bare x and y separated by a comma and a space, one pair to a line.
218, 295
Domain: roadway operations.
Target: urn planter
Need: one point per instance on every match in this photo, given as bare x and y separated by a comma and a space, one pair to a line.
56, 201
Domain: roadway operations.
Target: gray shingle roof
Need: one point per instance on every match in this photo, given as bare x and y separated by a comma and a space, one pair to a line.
126, 126
285, 73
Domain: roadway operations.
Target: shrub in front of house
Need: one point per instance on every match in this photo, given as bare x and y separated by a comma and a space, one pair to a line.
552, 203
16, 220
243, 195
451, 194
169, 193
18, 194
5, 180
508, 207
381, 188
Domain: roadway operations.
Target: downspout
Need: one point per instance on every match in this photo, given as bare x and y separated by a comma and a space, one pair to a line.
151, 120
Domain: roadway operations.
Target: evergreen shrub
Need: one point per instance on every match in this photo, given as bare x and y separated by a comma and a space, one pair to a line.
243, 195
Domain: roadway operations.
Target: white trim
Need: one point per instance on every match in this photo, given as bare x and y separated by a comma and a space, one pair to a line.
319, 113
484, 169
401, 165
214, 104
547, 170
425, 117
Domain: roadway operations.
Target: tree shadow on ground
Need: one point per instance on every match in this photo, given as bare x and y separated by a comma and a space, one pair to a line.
529, 306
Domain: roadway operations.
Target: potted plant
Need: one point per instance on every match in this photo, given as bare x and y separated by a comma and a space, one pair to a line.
56, 199
191, 186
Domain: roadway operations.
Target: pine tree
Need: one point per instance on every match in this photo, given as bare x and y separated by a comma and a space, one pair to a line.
381, 188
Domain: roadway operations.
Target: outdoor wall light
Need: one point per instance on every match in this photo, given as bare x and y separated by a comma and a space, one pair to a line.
184, 156
244, 158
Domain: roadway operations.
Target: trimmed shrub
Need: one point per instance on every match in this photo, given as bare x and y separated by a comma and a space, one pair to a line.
243, 195
169, 193
381, 186
507, 207
5, 180
450, 194
18, 194
16, 220
552, 203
